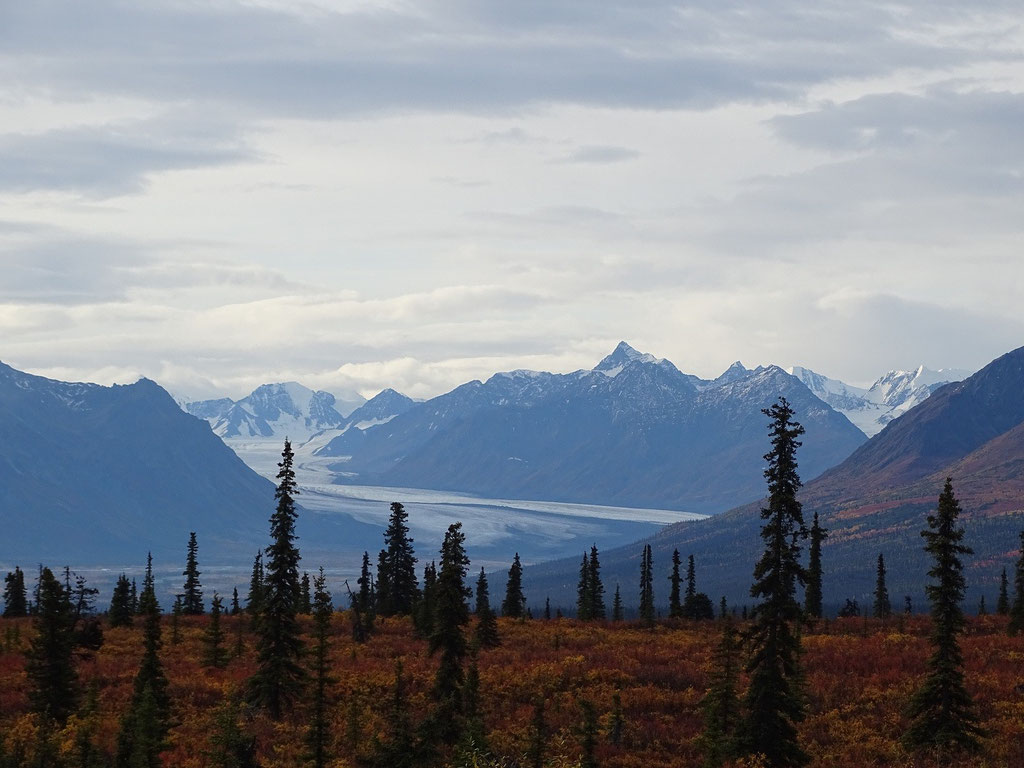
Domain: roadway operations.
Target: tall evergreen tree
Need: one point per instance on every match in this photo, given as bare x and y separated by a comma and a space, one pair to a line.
675, 604
236, 607
145, 724
254, 602
319, 727
451, 614
812, 592
15, 595
1003, 603
773, 700
596, 587
721, 706
120, 613
982, 609
941, 711
1017, 608
279, 676
647, 614
399, 750
514, 604
617, 613
51, 673
214, 654
192, 597
305, 602
423, 616
882, 608
584, 594
396, 571
486, 632
366, 614
696, 605
134, 599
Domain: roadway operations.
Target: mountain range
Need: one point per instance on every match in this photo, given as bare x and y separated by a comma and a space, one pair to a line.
874, 502
115, 470
890, 396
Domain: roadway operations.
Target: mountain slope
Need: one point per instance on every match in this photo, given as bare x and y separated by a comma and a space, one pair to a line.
633, 431
99, 471
875, 501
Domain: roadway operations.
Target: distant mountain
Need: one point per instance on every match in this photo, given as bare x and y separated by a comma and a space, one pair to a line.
890, 396
109, 472
276, 411
876, 501
379, 409
633, 431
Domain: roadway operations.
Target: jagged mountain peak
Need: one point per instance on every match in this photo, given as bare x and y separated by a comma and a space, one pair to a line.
621, 356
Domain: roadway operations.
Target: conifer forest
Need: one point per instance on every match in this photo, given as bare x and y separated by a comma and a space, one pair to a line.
428, 660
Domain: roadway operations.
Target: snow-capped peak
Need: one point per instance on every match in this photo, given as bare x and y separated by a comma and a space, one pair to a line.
621, 356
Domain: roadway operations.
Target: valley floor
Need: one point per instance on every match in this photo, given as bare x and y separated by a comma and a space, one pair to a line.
859, 677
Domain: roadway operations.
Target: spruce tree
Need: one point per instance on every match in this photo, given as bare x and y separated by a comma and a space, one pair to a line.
1003, 603
176, 611
134, 599
596, 588
214, 654
399, 750
145, 724
319, 727
588, 735
547, 609
396, 571
675, 604
982, 609
254, 602
514, 603
1017, 608
451, 614
584, 597
486, 633
230, 746
882, 608
473, 741
696, 605
120, 613
647, 614
812, 592
538, 736
192, 597
774, 702
15, 596
53, 682
367, 609
941, 711
279, 676
236, 607
720, 706
617, 613
423, 616
305, 604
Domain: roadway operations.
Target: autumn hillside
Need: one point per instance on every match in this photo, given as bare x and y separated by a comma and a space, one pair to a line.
859, 676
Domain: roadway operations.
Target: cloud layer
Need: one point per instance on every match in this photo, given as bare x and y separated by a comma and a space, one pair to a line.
363, 195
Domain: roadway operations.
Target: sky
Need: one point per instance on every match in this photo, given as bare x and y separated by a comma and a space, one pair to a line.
359, 195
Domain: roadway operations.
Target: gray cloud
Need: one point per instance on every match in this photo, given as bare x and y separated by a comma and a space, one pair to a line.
110, 160
600, 155
466, 56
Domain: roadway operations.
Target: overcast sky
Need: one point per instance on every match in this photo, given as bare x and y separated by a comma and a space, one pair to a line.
414, 194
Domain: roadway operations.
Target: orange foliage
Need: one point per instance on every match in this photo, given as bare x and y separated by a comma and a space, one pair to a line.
859, 675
